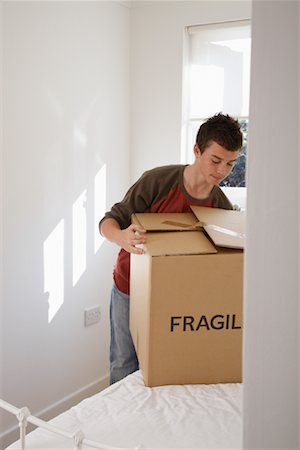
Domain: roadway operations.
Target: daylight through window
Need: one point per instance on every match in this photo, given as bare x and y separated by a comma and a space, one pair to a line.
217, 79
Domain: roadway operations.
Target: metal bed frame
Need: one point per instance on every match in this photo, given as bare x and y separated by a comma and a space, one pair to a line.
24, 417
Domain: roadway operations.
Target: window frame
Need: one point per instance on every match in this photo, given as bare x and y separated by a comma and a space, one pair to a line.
237, 195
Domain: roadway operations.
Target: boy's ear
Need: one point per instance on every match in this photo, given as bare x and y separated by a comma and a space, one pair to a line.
197, 152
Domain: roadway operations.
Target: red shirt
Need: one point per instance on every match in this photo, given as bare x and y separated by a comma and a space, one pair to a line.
158, 190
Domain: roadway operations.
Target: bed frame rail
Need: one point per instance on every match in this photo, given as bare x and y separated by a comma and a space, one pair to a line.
24, 417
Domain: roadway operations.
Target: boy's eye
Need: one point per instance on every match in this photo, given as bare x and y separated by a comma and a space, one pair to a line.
216, 161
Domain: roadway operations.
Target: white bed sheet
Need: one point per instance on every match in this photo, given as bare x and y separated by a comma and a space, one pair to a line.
127, 414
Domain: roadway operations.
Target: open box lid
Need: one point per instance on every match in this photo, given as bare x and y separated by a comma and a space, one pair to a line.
166, 221
162, 242
184, 243
226, 228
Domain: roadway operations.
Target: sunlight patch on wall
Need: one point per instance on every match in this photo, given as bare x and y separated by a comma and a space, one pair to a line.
53, 251
100, 204
79, 236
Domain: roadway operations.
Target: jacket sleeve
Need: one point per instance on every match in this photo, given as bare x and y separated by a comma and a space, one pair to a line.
139, 198
221, 200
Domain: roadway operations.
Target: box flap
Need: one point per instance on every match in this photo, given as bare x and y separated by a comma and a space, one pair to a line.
183, 243
225, 227
166, 221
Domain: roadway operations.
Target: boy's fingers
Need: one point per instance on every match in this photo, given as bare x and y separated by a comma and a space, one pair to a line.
138, 228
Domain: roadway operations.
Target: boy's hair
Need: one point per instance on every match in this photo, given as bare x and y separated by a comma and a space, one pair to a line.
222, 129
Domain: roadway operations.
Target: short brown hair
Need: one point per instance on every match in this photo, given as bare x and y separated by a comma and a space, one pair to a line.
222, 129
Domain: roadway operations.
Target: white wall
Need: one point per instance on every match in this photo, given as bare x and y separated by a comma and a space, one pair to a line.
66, 117
271, 351
157, 31
1, 200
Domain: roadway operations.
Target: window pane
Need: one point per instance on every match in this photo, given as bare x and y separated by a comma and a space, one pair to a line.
219, 69
237, 177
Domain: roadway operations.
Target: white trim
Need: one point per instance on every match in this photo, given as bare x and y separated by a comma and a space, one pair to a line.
196, 28
12, 434
184, 98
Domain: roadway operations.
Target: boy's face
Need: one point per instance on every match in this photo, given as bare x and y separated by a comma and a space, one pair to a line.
215, 163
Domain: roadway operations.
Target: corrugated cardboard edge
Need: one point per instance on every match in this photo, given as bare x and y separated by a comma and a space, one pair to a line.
225, 227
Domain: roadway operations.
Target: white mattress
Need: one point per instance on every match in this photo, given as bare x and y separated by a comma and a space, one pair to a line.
128, 414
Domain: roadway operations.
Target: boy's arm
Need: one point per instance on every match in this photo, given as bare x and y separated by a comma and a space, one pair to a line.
127, 238
116, 224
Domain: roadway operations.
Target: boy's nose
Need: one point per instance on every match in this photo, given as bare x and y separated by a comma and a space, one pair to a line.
222, 170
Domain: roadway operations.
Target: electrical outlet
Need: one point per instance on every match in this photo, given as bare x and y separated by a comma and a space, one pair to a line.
92, 315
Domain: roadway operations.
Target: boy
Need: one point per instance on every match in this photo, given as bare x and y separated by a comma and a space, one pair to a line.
164, 189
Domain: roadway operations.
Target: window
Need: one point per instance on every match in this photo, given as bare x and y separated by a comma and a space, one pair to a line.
217, 79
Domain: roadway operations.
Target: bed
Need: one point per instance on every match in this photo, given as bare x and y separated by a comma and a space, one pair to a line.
128, 415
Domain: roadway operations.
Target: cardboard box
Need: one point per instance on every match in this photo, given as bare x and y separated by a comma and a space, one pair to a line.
186, 297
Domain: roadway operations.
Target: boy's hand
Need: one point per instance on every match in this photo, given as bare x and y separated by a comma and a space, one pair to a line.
131, 237
127, 238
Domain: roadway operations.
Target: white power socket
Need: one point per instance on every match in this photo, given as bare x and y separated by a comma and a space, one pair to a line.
92, 315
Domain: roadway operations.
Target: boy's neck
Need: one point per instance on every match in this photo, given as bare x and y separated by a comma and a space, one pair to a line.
195, 184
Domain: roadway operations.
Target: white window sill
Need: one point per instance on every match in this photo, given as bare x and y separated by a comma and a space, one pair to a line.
237, 196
